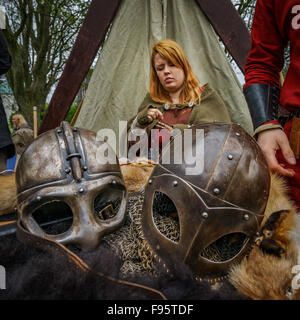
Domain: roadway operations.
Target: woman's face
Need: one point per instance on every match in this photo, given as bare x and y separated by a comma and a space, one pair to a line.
15, 121
170, 76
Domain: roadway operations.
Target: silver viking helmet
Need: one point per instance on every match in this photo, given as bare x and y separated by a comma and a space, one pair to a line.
64, 175
218, 211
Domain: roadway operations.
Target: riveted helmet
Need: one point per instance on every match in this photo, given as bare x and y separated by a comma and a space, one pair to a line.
219, 206
67, 175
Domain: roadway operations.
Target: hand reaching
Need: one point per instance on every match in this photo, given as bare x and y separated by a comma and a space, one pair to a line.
154, 114
272, 140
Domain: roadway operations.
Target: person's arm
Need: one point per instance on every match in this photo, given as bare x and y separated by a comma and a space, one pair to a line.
262, 85
5, 58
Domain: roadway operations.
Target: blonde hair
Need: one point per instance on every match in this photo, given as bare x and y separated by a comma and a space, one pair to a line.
171, 51
19, 117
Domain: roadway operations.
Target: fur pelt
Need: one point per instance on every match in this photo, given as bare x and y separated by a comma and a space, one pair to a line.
35, 274
136, 175
27, 267
8, 194
263, 275
8, 189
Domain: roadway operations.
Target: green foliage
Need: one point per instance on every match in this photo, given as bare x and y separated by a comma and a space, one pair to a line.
10, 123
40, 35
71, 113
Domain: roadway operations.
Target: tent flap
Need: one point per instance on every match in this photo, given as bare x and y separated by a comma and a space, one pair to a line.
121, 77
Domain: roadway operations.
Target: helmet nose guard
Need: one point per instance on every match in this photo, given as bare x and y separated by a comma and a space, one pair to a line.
61, 169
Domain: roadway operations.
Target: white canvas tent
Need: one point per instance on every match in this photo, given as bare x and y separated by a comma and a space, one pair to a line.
121, 76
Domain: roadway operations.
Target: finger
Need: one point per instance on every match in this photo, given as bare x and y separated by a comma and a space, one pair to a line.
150, 118
285, 172
276, 167
159, 115
286, 150
151, 112
282, 165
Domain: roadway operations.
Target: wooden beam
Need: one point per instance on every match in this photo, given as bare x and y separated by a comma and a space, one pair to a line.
89, 39
230, 27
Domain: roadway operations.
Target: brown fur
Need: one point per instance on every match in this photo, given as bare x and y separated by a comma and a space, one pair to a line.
278, 200
259, 276
264, 276
8, 189
8, 194
136, 175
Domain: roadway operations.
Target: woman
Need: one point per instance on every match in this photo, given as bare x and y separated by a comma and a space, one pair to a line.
19, 122
176, 100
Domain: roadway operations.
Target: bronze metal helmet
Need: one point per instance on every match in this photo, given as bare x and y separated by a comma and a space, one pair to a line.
219, 210
65, 175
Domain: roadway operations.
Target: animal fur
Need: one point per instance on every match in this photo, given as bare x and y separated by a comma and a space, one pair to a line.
27, 268
136, 175
259, 276
8, 190
8, 194
265, 276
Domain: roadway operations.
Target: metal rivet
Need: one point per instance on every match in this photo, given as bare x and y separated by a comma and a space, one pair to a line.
59, 131
75, 129
237, 134
175, 183
38, 198
68, 170
246, 217
216, 191
114, 182
205, 215
81, 190
230, 157
85, 168
150, 181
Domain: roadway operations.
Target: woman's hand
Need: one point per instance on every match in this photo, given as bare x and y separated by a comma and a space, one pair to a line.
154, 114
272, 140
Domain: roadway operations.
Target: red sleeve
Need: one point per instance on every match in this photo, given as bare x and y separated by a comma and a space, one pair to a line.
266, 58
268, 122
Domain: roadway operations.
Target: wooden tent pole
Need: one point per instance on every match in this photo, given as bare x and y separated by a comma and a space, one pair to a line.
89, 39
230, 27
76, 113
35, 122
